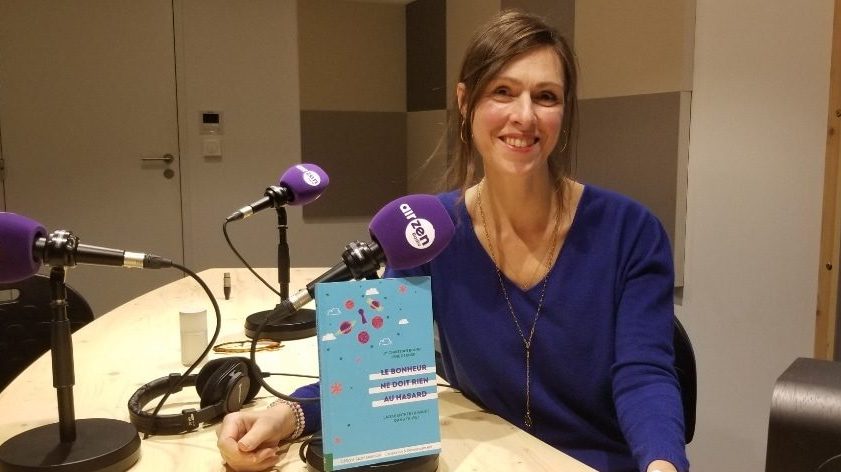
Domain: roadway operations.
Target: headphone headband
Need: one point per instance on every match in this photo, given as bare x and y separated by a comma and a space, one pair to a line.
224, 385
179, 423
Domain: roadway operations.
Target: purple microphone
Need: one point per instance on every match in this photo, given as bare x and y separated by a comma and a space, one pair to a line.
25, 245
17, 238
299, 185
407, 232
412, 230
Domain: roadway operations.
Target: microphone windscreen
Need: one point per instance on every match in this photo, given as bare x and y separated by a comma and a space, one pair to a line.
412, 230
306, 182
17, 238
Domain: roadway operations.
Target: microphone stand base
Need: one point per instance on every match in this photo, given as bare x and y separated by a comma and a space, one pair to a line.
314, 456
103, 445
299, 325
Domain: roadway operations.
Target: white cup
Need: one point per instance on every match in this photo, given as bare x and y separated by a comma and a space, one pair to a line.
193, 334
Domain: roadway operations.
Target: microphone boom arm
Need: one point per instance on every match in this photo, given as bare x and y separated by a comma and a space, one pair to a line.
359, 261
62, 248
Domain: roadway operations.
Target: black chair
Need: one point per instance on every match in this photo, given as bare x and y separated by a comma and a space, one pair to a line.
687, 377
25, 323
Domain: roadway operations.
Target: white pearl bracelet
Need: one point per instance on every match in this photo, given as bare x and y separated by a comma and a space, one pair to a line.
300, 421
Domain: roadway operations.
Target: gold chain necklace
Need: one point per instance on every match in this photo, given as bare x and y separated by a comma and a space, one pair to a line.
527, 343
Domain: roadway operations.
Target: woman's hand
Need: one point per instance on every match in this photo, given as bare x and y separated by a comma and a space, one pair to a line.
248, 440
661, 466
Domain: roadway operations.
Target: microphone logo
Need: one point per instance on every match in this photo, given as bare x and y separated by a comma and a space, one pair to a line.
309, 177
420, 233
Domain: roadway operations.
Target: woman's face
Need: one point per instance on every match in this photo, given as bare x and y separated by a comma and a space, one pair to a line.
518, 116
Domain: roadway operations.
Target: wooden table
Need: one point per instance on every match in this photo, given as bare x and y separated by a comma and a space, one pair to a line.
139, 341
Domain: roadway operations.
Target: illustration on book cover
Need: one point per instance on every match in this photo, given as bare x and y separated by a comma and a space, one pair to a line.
379, 398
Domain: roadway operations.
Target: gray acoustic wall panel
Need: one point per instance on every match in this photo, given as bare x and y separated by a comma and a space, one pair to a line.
426, 60
364, 153
426, 150
559, 13
631, 145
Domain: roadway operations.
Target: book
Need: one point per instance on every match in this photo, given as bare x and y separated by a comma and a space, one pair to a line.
379, 399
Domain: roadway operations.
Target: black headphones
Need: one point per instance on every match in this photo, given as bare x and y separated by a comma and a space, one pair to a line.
223, 385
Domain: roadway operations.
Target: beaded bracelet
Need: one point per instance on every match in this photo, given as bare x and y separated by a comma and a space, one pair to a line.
300, 421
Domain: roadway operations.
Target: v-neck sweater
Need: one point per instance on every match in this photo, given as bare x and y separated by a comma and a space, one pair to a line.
603, 386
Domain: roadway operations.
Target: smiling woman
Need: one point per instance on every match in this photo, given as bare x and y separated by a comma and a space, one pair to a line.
537, 85
568, 271
572, 283
521, 113
403, 96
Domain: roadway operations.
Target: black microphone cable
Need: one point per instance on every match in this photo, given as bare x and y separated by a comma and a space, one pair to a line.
253, 356
244, 262
289, 311
305, 445
177, 385
290, 374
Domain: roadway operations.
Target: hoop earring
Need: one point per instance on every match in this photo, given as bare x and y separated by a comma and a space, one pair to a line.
461, 131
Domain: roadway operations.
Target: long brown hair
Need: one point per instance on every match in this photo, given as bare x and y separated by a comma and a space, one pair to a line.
505, 36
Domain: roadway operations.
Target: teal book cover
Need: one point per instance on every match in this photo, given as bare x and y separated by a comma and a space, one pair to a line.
379, 399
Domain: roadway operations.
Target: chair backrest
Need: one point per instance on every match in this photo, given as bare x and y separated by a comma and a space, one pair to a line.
685, 368
25, 323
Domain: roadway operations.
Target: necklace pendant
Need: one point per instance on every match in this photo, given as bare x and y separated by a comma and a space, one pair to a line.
528, 419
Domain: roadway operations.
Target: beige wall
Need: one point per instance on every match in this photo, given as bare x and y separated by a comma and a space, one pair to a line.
755, 175
463, 17
352, 59
244, 62
635, 63
353, 56
633, 48
221, 68
753, 218
426, 150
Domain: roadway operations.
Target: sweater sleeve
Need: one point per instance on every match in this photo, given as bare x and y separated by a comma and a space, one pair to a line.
312, 410
645, 387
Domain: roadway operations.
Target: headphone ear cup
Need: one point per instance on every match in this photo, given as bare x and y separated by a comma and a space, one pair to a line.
255, 376
207, 371
212, 380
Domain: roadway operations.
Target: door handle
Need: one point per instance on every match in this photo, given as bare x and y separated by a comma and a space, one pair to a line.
168, 158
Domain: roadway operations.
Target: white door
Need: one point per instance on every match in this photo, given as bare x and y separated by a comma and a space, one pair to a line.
87, 90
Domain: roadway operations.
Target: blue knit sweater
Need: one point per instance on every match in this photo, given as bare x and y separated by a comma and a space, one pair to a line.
603, 388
